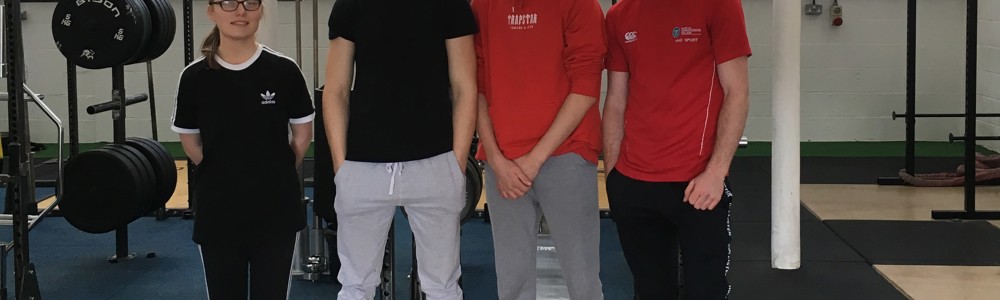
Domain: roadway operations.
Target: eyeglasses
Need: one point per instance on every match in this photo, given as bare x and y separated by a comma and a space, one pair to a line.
232, 5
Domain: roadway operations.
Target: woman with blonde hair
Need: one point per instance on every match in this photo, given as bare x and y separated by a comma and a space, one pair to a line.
233, 112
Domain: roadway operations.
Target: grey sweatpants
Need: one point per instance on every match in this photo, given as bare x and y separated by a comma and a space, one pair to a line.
432, 192
565, 190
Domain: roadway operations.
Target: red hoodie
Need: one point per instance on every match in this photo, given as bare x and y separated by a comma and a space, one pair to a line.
531, 56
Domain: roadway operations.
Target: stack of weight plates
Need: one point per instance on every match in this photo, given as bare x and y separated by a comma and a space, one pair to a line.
111, 186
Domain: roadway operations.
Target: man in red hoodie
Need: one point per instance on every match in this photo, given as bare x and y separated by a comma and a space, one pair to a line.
540, 65
681, 67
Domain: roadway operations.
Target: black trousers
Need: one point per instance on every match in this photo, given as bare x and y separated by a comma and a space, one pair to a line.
261, 267
653, 223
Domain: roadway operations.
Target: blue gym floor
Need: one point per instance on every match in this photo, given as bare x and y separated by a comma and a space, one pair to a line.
71, 264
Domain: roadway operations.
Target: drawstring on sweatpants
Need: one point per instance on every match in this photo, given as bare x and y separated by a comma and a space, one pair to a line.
394, 169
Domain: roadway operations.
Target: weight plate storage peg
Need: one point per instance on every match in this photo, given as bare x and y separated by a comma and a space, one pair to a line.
97, 34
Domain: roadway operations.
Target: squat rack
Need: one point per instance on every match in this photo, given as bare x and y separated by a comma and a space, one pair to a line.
970, 115
18, 177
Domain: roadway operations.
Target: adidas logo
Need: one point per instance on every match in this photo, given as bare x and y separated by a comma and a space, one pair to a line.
268, 97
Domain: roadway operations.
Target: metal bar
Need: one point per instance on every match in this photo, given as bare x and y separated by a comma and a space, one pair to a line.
971, 44
188, 32
965, 215
59, 171
11, 222
152, 99
911, 85
298, 32
10, 217
188, 58
962, 115
118, 116
45, 108
315, 24
388, 284
18, 159
3, 272
4, 96
121, 243
114, 104
952, 138
971, 34
74, 119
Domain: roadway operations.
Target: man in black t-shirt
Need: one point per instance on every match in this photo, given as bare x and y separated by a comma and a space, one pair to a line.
401, 136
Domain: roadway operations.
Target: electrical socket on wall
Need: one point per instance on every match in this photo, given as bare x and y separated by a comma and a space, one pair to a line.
813, 9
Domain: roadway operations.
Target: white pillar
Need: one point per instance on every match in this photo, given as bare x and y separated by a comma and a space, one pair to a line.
786, 91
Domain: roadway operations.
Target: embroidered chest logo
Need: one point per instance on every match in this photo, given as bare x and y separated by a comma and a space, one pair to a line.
631, 36
268, 97
686, 34
522, 21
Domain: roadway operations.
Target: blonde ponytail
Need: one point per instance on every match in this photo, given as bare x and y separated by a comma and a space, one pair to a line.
210, 47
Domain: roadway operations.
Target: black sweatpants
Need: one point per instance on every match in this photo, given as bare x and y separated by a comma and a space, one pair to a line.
264, 263
653, 222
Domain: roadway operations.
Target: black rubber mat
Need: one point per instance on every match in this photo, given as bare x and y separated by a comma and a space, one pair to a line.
865, 170
756, 280
973, 243
839, 170
753, 204
751, 242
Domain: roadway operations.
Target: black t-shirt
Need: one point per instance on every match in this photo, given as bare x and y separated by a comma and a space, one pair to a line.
400, 107
247, 183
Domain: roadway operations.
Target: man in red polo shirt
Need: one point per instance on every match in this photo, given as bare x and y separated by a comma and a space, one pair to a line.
540, 64
675, 111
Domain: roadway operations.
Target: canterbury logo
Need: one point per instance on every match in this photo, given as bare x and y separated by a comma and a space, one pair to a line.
268, 97
631, 36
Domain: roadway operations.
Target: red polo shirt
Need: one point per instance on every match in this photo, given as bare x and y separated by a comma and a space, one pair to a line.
531, 56
671, 48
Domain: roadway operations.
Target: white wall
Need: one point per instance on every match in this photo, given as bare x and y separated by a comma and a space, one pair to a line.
988, 75
853, 76
46, 71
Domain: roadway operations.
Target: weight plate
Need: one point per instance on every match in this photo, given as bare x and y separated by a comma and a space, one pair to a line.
473, 189
163, 33
141, 186
97, 34
146, 179
159, 169
163, 167
167, 161
96, 184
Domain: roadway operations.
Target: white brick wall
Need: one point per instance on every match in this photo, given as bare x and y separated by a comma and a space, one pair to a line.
853, 75
46, 70
988, 81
